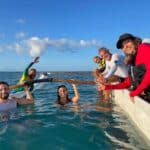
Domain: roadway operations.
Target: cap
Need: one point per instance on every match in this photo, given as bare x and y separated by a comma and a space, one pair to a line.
123, 37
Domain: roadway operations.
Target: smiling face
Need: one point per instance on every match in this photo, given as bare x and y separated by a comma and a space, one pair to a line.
63, 92
4, 91
105, 55
97, 60
32, 74
128, 47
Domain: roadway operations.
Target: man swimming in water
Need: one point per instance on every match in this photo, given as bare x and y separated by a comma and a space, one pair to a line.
7, 103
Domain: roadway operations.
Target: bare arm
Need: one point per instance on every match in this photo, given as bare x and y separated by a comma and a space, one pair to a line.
76, 97
27, 100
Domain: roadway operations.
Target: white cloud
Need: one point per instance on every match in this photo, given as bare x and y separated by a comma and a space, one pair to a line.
18, 48
20, 21
36, 46
20, 35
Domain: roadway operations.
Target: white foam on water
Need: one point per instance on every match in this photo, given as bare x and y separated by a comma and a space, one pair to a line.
121, 143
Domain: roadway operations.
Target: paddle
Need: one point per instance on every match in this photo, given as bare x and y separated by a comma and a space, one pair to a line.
52, 80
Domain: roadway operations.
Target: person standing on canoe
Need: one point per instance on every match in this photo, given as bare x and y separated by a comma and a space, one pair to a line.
28, 75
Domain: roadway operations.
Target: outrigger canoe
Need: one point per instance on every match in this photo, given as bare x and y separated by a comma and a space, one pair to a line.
139, 111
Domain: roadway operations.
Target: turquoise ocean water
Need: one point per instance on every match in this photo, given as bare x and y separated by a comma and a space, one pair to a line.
44, 126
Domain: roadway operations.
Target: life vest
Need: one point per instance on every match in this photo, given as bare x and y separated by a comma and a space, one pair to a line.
102, 65
136, 74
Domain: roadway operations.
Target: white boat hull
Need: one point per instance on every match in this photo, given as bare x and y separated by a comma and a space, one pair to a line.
139, 111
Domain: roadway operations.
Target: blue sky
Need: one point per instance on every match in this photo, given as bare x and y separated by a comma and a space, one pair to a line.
66, 33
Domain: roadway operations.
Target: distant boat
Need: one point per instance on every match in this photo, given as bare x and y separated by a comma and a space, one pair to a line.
139, 111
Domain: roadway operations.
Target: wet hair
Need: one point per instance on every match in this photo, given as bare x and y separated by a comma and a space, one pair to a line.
33, 69
58, 97
4, 83
104, 49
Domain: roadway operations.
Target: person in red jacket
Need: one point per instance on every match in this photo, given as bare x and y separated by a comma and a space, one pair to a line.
140, 53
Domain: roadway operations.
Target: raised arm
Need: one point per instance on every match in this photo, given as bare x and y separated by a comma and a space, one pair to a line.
36, 60
25, 73
76, 97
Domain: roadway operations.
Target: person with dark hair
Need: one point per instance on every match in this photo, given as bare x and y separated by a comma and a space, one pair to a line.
28, 75
62, 95
7, 103
139, 75
100, 62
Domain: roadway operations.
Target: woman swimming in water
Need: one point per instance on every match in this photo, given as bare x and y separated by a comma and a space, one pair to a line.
62, 95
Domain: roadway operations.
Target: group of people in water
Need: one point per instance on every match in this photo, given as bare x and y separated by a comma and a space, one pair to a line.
8, 102
114, 71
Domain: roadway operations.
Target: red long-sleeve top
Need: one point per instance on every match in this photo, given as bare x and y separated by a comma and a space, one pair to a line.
142, 57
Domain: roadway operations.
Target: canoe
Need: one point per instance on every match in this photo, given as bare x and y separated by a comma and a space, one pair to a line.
139, 111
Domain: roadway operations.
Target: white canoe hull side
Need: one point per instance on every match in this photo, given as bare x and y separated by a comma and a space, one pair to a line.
139, 111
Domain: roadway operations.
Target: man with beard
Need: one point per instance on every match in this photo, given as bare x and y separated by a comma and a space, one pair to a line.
139, 75
7, 103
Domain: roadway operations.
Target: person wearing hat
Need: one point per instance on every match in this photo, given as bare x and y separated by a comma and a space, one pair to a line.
140, 52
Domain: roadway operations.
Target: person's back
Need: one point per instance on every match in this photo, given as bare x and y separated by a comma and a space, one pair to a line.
121, 68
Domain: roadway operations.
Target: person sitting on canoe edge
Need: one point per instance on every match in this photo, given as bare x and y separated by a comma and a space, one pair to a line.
7, 103
139, 72
28, 75
101, 64
98, 72
62, 95
115, 71
115, 66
